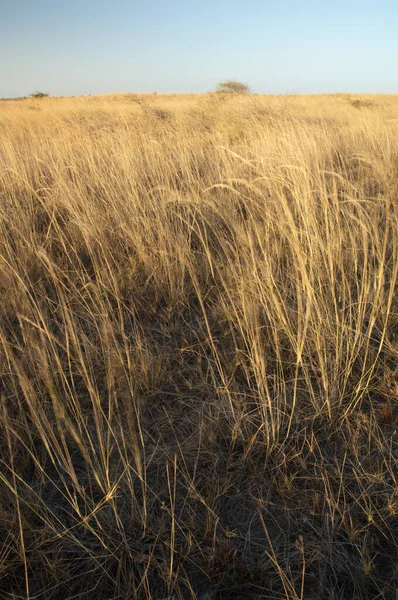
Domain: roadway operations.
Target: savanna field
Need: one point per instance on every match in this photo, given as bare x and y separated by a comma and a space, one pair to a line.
198, 348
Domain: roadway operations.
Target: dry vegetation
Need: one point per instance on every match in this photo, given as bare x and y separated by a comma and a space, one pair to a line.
198, 348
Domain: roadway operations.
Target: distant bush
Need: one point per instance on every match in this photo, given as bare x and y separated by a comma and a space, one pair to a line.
39, 95
233, 87
13, 99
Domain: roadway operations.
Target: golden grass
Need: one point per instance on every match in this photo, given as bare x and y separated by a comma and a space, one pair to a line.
198, 347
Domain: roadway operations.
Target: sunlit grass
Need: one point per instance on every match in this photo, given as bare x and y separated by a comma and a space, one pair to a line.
198, 347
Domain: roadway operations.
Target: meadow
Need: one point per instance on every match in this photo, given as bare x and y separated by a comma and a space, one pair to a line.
198, 347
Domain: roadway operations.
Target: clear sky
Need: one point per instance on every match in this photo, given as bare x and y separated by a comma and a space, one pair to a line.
73, 47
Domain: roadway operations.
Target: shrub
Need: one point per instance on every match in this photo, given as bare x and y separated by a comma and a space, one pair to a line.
39, 95
233, 87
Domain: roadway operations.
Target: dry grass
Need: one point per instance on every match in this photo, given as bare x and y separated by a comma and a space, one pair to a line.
198, 348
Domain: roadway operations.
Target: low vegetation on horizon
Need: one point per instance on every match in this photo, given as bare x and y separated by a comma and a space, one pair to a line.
198, 347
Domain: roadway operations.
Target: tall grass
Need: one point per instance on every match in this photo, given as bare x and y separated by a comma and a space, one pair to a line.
198, 348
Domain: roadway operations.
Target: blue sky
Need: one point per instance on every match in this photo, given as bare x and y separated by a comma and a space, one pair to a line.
98, 46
